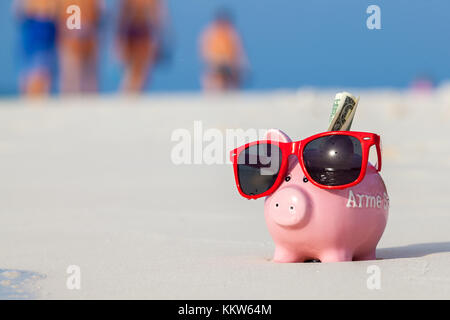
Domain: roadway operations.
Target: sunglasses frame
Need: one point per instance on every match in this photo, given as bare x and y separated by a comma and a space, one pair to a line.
296, 148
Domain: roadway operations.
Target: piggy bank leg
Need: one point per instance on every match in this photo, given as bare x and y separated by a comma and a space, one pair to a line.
283, 255
366, 256
336, 255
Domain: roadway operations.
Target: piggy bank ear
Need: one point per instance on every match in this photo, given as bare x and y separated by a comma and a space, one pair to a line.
277, 135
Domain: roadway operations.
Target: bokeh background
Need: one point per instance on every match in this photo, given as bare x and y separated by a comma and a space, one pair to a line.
289, 44
89, 180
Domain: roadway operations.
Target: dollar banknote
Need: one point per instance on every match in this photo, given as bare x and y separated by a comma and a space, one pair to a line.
343, 111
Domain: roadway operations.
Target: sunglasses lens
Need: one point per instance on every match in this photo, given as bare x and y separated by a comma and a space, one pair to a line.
333, 160
258, 168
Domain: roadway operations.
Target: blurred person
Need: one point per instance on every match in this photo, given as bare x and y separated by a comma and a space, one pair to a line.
78, 48
222, 51
140, 27
37, 20
422, 83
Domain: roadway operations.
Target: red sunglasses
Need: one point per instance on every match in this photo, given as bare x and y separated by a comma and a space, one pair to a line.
330, 160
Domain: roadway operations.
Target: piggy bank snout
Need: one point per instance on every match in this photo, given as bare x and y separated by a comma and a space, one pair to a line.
288, 206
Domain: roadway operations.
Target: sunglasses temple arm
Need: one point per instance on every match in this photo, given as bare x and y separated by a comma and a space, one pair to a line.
378, 144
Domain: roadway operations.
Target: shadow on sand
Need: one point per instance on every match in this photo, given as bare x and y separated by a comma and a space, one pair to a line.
413, 250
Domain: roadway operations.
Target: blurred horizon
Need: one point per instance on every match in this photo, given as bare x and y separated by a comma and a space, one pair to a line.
289, 44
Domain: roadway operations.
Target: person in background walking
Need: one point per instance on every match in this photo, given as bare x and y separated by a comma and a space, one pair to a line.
140, 27
222, 53
37, 19
78, 48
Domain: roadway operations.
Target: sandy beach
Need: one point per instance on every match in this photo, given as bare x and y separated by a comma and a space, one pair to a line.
90, 182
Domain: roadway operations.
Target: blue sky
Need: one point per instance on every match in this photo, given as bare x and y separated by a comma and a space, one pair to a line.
290, 43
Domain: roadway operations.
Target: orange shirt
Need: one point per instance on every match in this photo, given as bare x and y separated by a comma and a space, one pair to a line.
45, 9
221, 45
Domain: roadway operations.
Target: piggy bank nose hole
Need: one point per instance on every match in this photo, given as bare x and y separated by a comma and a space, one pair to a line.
291, 208
276, 205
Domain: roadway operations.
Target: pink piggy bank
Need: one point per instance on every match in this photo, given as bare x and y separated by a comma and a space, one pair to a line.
310, 223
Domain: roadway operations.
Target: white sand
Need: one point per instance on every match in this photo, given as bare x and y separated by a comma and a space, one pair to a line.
90, 183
